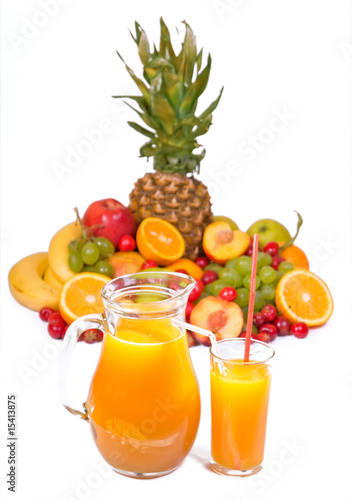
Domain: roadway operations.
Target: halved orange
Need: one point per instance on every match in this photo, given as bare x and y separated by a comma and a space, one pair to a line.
81, 295
160, 241
302, 296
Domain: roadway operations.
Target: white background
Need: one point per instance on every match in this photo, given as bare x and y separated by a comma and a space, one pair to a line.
57, 82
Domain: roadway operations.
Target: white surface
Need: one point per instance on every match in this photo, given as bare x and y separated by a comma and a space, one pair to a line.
270, 56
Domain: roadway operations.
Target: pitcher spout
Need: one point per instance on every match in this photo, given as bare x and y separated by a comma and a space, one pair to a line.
148, 294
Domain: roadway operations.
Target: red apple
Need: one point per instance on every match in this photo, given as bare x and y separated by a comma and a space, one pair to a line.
110, 219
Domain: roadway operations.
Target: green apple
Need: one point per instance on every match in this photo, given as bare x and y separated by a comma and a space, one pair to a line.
269, 230
223, 218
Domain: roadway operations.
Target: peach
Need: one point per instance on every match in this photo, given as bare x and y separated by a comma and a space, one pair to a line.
221, 243
223, 318
126, 263
224, 218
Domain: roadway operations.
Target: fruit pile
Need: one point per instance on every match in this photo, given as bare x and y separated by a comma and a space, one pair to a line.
65, 283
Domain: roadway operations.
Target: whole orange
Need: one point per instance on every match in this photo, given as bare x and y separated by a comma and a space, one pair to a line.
295, 255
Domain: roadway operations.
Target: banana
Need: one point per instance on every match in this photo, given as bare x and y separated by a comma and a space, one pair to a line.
50, 278
58, 251
28, 286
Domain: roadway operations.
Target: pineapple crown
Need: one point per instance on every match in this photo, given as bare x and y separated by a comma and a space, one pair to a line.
173, 83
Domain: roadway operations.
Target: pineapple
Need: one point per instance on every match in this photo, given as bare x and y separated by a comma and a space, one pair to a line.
167, 104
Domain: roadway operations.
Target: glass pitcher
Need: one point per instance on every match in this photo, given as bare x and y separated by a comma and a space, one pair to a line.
143, 404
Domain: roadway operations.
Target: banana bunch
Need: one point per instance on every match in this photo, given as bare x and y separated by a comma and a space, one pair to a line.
36, 280
27, 284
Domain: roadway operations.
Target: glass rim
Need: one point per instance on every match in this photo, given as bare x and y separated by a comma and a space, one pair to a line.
242, 340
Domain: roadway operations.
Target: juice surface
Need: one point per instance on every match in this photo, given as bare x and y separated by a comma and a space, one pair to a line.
239, 400
144, 403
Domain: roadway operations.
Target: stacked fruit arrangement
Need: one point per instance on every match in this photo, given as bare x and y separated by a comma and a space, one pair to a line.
289, 298
170, 223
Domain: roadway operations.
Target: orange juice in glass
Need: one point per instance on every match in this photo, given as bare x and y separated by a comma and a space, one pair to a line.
239, 406
143, 404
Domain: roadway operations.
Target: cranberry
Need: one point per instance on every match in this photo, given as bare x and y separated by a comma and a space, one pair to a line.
283, 325
56, 325
45, 312
299, 330
189, 308
269, 312
258, 319
183, 271
263, 337
276, 261
149, 263
270, 329
190, 339
57, 330
64, 331
93, 335
55, 318
228, 293
202, 262
127, 243
209, 276
196, 292
272, 248
249, 250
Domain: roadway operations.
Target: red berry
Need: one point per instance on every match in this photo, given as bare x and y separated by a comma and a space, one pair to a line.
272, 248
190, 339
56, 330
209, 276
242, 335
299, 330
202, 262
228, 293
149, 263
270, 329
127, 243
249, 250
56, 325
183, 271
263, 337
55, 318
269, 312
65, 330
93, 335
276, 261
283, 325
258, 319
196, 292
189, 308
45, 312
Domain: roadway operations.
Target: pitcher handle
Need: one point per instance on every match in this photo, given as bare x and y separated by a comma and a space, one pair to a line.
75, 330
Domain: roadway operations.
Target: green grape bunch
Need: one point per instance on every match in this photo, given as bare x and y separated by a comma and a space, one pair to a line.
90, 254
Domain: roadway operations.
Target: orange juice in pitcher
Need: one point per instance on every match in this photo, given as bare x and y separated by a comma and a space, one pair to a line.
143, 404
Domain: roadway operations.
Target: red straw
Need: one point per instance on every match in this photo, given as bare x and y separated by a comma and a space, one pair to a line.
251, 298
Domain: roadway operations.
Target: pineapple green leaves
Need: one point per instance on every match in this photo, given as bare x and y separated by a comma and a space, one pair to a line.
169, 96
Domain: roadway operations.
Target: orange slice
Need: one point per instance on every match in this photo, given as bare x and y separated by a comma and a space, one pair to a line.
188, 265
303, 296
160, 241
81, 295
